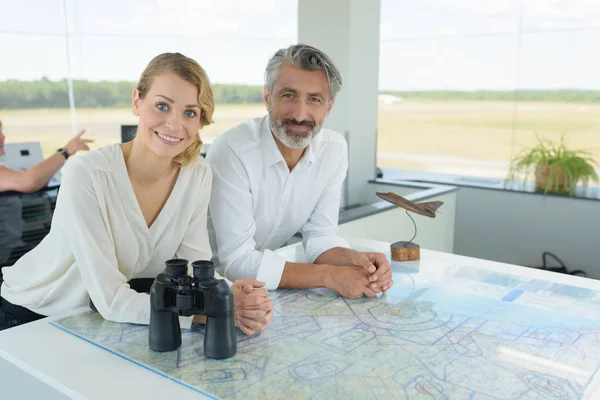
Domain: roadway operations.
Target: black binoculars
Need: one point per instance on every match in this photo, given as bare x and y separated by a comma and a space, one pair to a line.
175, 293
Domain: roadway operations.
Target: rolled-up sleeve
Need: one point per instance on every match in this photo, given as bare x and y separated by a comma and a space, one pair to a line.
232, 219
320, 234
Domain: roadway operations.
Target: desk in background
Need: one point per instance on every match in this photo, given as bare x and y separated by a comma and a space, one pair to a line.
451, 327
25, 219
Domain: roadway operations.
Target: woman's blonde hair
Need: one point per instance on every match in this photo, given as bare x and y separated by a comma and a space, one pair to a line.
190, 71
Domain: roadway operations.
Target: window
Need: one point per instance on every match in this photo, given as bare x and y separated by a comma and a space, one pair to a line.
34, 102
111, 42
466, 84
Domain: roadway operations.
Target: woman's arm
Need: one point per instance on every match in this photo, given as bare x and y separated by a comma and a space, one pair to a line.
87, 232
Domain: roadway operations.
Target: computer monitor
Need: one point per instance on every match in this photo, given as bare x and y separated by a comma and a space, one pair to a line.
128, 132
22, 156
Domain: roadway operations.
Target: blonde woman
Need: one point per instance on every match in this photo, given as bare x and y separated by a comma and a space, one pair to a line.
124, 209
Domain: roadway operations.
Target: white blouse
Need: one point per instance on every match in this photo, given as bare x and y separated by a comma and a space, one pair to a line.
99, 240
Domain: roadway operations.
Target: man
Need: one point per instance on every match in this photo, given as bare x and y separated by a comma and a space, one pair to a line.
283, 173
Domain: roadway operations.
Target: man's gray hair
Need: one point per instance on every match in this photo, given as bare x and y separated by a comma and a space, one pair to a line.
307, 58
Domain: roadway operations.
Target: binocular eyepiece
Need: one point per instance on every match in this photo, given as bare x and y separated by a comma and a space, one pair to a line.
174, 293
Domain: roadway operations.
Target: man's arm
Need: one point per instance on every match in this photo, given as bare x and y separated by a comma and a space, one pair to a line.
346, 280
232, 218
375, 264
32, 179
38, 176
233, 221
323, 244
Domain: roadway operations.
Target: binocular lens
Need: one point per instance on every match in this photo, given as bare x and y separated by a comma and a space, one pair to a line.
203, 270
176, 267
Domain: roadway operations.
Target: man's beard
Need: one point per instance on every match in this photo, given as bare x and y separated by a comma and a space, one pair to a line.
294, 139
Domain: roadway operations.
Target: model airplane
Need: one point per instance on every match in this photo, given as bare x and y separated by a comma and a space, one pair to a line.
427, 209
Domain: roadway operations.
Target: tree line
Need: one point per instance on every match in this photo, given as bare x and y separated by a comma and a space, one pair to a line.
542, 95
45, 93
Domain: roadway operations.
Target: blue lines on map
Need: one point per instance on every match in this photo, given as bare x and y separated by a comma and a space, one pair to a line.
222, 375
315, 370
349, 339
548, 386
513, 295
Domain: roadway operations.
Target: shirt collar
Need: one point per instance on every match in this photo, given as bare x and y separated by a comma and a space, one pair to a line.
308, 157
271, 153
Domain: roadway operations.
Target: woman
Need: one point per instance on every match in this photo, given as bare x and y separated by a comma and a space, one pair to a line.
124, 209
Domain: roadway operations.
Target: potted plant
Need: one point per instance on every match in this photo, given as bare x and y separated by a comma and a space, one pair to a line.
556, 168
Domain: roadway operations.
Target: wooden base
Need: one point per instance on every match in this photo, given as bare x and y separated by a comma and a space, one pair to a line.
405, 251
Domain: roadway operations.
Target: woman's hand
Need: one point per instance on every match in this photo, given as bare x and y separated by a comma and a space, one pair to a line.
252, 308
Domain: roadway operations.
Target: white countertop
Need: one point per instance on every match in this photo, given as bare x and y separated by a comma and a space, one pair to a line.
77, 369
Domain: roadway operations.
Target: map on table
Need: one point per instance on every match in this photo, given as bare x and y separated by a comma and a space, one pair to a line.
445, 332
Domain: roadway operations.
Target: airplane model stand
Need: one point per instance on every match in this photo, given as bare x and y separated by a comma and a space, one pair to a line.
403, 250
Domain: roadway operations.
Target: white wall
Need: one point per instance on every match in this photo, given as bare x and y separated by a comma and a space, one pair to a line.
517, 228
18, 384
348, 31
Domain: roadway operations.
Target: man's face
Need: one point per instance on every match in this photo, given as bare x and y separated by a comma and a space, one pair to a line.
298, 105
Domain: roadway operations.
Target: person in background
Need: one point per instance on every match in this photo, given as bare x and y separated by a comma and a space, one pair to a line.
125, 209
38, 176
283, 173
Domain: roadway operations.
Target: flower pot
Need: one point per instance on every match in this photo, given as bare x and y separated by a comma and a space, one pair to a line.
542, 174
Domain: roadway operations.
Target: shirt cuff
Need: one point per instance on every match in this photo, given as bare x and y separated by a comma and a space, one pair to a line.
270, 269
315, 246
185, 322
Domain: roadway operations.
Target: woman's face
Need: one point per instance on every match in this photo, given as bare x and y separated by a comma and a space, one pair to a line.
169, 115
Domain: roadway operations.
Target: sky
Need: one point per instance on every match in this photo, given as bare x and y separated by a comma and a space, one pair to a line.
424, 44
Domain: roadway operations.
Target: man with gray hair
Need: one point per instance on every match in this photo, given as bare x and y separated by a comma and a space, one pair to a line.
283, 173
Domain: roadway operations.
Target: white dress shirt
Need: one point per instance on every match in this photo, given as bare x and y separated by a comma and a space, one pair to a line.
99, 240
257, 204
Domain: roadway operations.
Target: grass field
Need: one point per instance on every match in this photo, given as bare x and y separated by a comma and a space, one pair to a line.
463, 137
